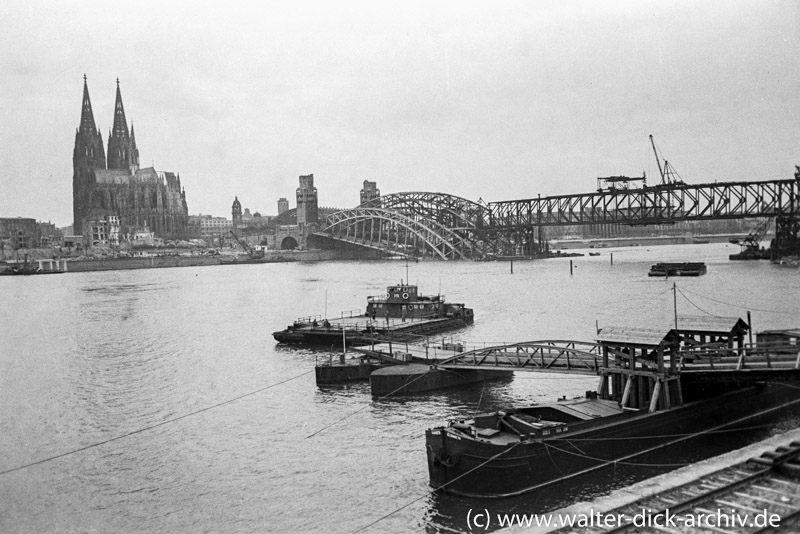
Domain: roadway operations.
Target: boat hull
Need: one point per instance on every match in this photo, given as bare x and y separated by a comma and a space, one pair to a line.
462, 465
320, 336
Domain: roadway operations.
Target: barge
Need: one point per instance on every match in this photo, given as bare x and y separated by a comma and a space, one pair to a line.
402, 314
678, 269
648, 398
28, 267
508, 453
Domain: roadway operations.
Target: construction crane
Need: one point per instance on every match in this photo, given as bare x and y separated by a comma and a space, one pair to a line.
751, 244
253, 253
667, 172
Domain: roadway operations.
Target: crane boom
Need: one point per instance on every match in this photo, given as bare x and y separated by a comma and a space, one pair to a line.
658, 161
254, 254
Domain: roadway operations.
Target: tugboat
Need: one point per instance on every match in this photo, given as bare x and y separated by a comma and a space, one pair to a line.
400, 314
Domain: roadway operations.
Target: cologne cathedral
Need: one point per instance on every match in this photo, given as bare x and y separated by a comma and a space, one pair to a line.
117, 189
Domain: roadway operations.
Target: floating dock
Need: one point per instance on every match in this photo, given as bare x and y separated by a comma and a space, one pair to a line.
419, 378
361, 362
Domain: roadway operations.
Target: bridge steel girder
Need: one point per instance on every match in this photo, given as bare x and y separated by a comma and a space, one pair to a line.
469, 219
456, 213
541, 356
654, 205
382, 228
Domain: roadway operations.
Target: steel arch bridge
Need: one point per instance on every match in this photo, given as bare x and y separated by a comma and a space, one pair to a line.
446, 226
420, 224
451, 211
394, 231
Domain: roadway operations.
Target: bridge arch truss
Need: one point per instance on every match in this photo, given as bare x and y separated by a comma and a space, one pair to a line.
394, 231
471, 220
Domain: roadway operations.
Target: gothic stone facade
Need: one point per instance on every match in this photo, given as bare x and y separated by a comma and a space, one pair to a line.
140, 198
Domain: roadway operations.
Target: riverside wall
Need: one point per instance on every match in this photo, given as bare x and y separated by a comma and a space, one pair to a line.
164, 261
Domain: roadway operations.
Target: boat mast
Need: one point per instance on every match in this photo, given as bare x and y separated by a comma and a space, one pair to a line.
675, 303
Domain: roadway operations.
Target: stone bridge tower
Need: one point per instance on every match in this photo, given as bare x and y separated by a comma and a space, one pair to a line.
370, 192
307, 207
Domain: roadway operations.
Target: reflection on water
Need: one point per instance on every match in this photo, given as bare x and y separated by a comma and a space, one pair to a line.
89, 357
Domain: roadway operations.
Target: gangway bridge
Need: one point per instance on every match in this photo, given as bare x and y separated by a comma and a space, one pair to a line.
712, 362
650, 367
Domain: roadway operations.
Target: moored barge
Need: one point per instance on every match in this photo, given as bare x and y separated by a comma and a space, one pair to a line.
648, 398
508, 453
678, 269
401, 314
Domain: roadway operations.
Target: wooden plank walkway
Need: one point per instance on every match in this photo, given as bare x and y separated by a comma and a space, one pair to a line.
749, 497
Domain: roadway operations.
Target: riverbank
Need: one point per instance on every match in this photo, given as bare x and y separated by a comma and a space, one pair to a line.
642, 241
178, 260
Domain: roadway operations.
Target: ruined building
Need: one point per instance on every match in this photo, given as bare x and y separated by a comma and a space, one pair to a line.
369, 193
307, 206
283, 205
140, 199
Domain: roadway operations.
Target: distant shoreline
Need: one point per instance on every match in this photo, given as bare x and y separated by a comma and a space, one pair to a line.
172, 259
178, 260
562, 244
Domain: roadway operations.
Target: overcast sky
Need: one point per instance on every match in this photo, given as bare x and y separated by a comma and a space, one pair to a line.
491, 100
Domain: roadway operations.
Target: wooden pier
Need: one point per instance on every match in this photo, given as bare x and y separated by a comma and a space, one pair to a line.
650, 367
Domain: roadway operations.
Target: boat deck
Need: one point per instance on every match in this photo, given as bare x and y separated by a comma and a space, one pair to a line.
362, 322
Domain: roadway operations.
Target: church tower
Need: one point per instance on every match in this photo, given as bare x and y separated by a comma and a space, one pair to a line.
87, 156
236, 213
122, 151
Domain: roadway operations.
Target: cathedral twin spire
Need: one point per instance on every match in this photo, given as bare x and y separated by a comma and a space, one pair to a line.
87, 117
122, 151
120, 124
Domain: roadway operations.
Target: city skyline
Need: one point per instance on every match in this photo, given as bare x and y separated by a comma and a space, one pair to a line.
494, 102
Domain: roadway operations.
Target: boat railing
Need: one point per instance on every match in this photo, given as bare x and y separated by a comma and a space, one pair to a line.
761, 354
308, 319
319, 318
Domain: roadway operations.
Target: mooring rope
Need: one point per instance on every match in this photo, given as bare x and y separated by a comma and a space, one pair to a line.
151, 427
368, 404
693, 304
409, 503
737, 305
664, 436
622, 461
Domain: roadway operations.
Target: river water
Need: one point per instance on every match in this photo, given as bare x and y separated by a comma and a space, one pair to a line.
158, 401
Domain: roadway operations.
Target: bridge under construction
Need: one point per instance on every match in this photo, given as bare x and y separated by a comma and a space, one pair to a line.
448, 227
